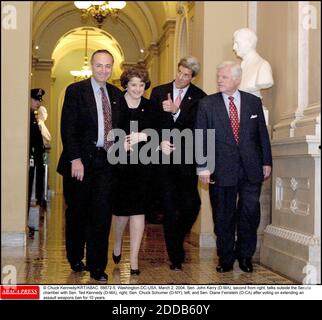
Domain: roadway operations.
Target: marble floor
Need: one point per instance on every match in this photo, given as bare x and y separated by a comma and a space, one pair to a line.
43, 260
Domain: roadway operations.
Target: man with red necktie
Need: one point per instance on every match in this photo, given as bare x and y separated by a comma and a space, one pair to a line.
243, 160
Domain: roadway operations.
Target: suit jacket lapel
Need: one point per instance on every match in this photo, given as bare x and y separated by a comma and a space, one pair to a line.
169, 89
244, 114
224, 117
113, 102
90, 101
187, 99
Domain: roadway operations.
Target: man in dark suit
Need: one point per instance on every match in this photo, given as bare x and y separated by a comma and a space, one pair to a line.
177, 104
242, 161
90, 111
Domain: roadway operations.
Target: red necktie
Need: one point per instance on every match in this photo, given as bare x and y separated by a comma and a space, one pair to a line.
233, 115
178, 100
107, 114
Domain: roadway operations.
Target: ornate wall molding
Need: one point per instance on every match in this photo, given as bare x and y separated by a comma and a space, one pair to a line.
300, 238
169, 25
42, 64
180, 7
152, 52
168, 28
292, 195
181, 39
154, 49
297, 147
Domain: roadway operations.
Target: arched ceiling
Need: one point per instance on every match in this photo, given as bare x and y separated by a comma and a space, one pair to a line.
96, 39
140, 24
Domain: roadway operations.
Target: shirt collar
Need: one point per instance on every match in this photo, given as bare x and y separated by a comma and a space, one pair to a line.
96, 86
236, 95
184, 90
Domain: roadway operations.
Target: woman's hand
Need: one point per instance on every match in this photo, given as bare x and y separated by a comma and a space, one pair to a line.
134, 138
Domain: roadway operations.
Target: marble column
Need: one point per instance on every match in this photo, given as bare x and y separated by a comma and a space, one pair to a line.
15, 110
292, 242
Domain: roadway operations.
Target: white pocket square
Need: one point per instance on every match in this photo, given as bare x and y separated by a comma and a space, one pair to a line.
253, 116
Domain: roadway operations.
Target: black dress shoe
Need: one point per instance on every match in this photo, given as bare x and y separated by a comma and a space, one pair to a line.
78, 266
224, 267
245, 264
31, 231
116, 259
135, 272
176, 267
99, 275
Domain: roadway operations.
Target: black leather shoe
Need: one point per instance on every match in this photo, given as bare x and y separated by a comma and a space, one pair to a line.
176, 267
99, 275
78, 266
245, 264
135, 272
221, 268
116, 259
31, 232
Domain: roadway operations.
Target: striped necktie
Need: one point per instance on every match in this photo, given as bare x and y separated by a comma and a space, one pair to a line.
107, 114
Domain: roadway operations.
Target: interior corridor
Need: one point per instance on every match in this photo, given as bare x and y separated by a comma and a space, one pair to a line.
43, 260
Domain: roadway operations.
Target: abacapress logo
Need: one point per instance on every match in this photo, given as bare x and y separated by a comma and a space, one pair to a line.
19, 292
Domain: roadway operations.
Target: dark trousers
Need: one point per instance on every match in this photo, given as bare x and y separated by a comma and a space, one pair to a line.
181, 203
40, 172
236, 208
89, 212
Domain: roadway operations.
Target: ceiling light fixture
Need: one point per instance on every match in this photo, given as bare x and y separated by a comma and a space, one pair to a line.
85, 72
99, 10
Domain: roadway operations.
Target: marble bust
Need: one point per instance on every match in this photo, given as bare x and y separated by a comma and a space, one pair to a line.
257, 72
42, 115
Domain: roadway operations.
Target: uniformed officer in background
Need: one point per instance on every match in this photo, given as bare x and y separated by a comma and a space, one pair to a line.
36, 149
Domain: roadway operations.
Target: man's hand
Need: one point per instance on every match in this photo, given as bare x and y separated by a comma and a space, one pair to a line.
169, 106
167, 147
127, 146
134, 138
77, 169
267, 171
204, 176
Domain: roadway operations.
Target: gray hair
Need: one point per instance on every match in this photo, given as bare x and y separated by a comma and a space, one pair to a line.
247, 34
236, 70
191, 63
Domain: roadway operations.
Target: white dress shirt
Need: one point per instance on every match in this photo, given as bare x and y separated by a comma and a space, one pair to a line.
175, 95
